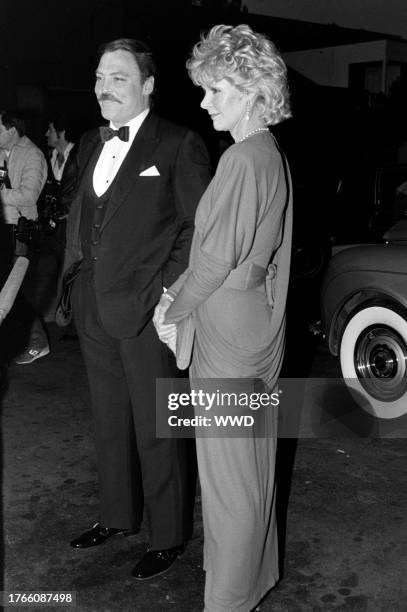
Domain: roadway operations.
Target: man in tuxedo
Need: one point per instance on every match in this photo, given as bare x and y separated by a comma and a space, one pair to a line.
131, 223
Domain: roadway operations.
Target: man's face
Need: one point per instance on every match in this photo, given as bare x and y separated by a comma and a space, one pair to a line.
119, 89
52, 136
7, 137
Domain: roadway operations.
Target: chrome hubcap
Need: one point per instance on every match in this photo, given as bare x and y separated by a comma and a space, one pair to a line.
380, 360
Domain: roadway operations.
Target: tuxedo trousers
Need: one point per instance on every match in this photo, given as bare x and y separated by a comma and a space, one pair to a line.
137, 470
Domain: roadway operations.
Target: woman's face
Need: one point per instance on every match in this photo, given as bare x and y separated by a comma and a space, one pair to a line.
226, 105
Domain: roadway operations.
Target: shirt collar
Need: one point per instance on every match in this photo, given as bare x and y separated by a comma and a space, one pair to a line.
65, 152
68, 149
134, 124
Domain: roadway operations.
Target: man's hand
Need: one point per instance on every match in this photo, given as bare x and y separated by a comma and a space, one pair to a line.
166, 333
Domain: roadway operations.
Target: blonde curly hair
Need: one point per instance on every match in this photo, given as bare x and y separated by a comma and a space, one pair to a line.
247, 59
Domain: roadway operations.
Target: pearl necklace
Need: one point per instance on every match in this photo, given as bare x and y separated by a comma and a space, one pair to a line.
256, 131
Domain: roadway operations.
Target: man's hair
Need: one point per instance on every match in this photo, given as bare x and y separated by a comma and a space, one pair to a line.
13, 118
63, 123
139, 50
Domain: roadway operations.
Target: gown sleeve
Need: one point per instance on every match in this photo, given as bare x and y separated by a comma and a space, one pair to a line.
225, 236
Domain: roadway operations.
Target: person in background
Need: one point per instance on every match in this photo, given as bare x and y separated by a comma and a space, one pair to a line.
27, 173
131, 224
60, 140
234, 291
60, 189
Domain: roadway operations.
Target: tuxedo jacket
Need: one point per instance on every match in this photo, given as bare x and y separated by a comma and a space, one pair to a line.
64, 189
146, 233
68, 181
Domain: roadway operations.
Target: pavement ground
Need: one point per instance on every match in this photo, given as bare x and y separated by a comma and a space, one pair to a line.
341, 507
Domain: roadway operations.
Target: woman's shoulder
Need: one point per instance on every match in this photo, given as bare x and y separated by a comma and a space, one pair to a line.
256, 151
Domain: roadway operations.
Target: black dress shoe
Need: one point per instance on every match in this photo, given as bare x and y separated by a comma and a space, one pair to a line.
98, 535
156, 562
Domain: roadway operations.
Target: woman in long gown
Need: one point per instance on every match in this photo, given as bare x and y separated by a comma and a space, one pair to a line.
234, 293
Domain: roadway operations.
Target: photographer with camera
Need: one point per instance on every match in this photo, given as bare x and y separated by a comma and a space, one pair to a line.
23, 176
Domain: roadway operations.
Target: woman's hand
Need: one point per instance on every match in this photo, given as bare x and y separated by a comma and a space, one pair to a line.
160, 310
166, 333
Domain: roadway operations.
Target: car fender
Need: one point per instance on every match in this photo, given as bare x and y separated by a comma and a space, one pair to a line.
357, 275
346, 293
359, 301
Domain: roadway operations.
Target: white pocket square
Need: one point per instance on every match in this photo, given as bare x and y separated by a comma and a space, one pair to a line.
152, 171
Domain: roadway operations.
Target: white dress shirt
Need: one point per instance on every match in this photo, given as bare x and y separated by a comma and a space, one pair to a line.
112, 155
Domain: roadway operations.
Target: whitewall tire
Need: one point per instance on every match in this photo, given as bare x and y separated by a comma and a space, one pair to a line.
373, 355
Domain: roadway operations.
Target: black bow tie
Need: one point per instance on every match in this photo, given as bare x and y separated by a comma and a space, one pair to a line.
106, 133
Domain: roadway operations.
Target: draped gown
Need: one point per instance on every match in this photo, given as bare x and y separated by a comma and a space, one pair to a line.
242, 224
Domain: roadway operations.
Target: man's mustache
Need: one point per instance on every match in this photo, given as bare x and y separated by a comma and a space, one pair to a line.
108, 98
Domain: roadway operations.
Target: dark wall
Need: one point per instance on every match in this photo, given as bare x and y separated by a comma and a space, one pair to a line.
48, 57
48, 54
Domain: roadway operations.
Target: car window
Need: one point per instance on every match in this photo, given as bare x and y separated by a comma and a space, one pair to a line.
390, 180
389, 201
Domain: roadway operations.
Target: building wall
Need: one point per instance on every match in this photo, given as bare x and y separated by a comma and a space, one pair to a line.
396, 51
330, 65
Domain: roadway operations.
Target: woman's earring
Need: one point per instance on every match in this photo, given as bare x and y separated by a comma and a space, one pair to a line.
248, 109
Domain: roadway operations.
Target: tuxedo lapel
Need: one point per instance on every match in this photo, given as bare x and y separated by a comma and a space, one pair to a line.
142, 148
90, 152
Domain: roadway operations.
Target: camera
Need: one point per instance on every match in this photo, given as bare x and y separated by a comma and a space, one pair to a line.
27, 230
4, 177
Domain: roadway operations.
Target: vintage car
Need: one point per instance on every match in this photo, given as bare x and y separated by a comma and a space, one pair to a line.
354, 206
367, 202
364, 318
